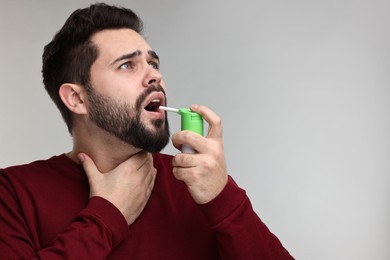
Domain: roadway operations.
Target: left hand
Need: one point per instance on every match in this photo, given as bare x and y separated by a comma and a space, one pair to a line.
205, 171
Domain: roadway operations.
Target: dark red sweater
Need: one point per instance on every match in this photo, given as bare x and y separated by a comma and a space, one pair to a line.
46, 213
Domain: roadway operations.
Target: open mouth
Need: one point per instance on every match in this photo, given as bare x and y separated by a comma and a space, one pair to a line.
154, 105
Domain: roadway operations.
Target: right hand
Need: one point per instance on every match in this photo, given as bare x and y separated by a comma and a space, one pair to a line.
128, 186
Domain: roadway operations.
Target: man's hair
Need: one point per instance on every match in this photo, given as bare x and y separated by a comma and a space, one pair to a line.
69, 56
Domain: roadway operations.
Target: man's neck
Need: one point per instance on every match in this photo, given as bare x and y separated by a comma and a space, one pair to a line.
106, 151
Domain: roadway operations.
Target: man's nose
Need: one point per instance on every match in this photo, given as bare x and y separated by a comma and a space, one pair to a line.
152, 77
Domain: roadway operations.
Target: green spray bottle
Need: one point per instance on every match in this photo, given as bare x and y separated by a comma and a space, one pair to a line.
190, 121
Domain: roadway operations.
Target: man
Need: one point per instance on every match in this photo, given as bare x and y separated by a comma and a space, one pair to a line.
114, 196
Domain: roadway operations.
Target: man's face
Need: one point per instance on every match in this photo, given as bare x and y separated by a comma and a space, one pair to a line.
126, 90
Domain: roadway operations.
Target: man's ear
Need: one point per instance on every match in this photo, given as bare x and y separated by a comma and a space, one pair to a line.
73, 96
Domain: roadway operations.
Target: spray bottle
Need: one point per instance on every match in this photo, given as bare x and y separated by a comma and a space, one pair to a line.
190, 121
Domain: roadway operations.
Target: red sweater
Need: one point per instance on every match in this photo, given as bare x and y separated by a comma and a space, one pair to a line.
46, 213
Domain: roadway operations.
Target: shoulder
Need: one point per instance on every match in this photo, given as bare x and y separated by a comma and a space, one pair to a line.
33, 168
38, 176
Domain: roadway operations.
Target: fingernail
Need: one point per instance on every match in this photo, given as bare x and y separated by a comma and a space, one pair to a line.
81, 157
194, 107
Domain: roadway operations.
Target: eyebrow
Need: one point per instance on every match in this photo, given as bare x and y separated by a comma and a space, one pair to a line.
127, 56
131, 55
154, 55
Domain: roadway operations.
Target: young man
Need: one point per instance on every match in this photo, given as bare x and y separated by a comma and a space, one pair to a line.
114, 196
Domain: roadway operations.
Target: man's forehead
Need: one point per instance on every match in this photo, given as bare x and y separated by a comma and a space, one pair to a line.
119, 41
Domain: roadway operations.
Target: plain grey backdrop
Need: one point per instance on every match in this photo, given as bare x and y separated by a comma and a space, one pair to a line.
302, 88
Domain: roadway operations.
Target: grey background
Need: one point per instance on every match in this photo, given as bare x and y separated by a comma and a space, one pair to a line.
302, 88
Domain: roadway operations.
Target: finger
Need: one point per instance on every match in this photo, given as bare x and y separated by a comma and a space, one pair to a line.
183, 160
146, 163
145, 170
178, 173
149, 177
88, 165
194, 140
137, 161
188, 175
152, 181
214, 121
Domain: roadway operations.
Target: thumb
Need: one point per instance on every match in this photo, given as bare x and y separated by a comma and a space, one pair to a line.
88, 165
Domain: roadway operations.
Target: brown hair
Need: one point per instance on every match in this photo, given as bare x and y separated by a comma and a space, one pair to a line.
69, 56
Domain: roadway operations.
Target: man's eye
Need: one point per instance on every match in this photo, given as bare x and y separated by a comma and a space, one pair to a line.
154, 65
125, 66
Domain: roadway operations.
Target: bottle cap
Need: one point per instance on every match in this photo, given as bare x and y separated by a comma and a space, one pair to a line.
191, 121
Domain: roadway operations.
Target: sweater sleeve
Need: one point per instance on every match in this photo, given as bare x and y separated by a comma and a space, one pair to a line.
91, 235
240, 232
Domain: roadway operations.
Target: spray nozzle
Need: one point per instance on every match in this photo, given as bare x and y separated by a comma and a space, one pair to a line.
189, 120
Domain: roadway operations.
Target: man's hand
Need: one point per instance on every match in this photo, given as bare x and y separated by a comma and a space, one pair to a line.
128, 186
205, 171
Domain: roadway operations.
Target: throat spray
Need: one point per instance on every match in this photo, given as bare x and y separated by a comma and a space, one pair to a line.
190, 121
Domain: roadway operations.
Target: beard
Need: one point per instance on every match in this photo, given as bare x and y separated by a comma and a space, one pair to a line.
123, 120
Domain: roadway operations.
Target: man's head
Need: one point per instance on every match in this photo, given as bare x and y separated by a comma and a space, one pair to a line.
100, 55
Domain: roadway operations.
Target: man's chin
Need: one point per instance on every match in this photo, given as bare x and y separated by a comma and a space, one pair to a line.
157, 146
155, 139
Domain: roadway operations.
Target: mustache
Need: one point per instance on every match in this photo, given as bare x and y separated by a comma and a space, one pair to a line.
141, 98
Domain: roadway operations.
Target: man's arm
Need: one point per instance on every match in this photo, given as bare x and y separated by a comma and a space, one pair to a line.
92, 234
240, 232
204, 173
117, 198
128, 186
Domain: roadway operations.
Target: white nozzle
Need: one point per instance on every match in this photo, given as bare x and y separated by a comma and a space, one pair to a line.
185, 147
170, 109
